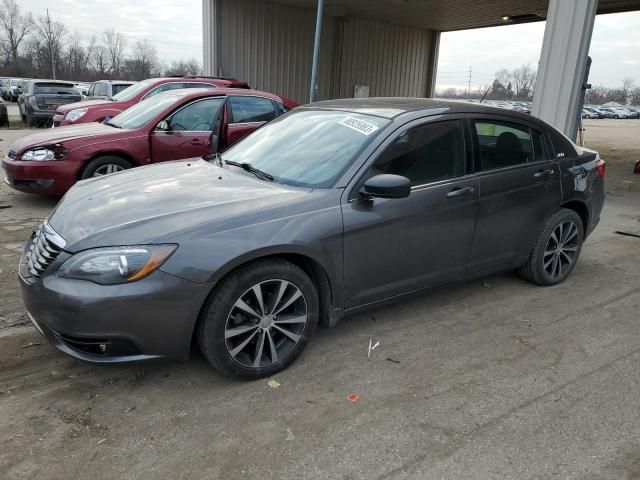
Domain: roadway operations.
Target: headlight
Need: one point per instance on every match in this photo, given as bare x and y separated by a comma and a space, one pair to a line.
38, 155
74, 115
113, 265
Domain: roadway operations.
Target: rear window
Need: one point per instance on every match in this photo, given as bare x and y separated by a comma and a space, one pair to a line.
118, 88
53, 88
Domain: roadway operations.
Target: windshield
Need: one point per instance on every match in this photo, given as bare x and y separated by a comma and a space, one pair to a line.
143, 112
307, 148
132, 91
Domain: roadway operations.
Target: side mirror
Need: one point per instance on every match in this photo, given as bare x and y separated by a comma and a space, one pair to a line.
387, 186
163, 125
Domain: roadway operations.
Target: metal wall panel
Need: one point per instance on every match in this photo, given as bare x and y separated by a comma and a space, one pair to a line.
271, 46
392, 59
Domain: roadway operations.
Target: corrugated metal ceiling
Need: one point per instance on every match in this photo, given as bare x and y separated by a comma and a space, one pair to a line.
447, 15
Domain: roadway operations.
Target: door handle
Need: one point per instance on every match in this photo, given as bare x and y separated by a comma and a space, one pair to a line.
459, 192
196, 141
544, 173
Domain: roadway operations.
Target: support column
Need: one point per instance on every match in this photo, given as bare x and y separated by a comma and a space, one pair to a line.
313, 93
432, 63
209, 39
567, 37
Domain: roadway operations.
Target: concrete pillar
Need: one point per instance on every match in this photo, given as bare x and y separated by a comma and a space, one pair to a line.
209, 39
567, 37
432, 63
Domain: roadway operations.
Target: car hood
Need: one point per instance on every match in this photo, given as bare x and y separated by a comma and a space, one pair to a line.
49, 136
86, 104
140, 205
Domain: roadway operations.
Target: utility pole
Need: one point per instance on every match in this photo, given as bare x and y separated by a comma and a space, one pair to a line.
469, 83
50, 41
313, 94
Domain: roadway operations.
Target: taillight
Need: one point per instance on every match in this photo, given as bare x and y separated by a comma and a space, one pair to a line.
600, 166
32, 100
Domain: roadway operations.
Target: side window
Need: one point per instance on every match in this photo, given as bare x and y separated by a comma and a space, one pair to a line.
201, 85
101, 89
197, 117
562, 146
166, 87
539, 149
251, 109
427, 153
503, 144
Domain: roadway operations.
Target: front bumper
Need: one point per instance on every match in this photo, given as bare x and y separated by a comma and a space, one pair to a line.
151, 318
53, 178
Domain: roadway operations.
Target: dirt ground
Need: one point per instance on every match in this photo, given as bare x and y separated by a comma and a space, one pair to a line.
490, 379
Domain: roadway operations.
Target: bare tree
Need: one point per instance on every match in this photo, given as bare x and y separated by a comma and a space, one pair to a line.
143, 62
15, 27
524, 80
181, 67
627, 86
52, 34
115, 44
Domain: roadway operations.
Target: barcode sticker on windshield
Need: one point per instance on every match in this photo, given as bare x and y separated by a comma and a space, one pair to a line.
361, 126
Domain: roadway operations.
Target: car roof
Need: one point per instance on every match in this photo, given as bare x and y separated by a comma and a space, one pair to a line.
206, 92
391, 107
114, 81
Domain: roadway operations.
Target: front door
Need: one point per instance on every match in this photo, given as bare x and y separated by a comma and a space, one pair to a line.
519, 189
186, 133
246, 114
394, 246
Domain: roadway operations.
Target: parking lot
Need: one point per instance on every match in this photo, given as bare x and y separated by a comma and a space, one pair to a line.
494, 378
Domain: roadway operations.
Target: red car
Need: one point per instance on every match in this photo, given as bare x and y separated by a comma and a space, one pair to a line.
99, 110
170, 126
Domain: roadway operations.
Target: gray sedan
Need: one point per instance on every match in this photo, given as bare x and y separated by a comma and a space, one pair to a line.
332, 208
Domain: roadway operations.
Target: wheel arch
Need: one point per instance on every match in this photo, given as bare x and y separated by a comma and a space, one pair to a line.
312, 267
123, 155
581, 209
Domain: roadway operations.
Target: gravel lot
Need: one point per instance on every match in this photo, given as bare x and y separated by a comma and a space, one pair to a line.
489, 379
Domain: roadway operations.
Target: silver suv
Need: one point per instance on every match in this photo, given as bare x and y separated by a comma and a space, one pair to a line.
105, 89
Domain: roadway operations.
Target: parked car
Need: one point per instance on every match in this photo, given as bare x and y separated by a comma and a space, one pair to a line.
99, 110
41, 98
83, 88
4, 86
4, 116
591, 113
106, 89
616, 112
330, 209
602, 111
172, 125
14, 91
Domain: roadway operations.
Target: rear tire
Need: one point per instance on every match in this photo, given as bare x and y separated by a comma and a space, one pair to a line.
258, 344
104, 165
556, 250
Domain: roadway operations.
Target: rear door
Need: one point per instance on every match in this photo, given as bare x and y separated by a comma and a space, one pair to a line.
519, 188
187, 132
247, 113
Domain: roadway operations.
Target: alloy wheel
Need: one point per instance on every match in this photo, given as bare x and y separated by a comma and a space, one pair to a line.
266, 323
561, 249
107, 169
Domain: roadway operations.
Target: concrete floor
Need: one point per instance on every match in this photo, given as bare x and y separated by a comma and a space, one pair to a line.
495, 378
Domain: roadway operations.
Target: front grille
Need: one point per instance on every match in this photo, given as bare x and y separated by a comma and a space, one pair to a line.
44, 248
12, 154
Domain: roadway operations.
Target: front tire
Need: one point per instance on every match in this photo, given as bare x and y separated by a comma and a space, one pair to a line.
556, 250
104, 165
259, 319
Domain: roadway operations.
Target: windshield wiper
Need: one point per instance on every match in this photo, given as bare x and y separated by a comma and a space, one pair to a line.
247, 167
111, 124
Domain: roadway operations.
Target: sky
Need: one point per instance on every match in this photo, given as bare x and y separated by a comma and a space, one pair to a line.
175, 28
615, 51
